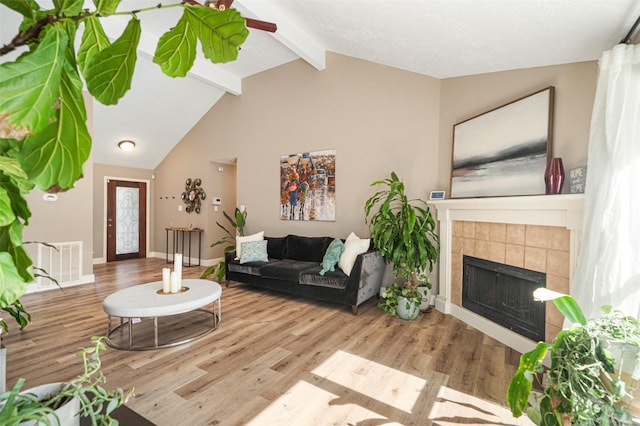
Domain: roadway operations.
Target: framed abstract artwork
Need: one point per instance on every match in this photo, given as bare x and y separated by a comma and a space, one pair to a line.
308, 186
503, 152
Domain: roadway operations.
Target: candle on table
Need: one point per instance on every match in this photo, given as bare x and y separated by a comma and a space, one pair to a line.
166, 280
177, 266
175, 287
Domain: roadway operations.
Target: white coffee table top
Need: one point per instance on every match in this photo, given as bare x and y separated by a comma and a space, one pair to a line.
144, 301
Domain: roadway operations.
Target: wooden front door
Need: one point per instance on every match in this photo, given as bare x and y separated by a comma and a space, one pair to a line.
126, 220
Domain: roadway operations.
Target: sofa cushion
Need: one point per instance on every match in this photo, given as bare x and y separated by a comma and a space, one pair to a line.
276, 247
254, 251
331, 256
307, 249
353, 246
333, 279
252, 268
287, 269
259, 236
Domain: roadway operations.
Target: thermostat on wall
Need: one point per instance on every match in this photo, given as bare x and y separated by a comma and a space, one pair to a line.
436, 195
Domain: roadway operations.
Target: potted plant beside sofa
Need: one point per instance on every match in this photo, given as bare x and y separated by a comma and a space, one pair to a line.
403, 230
594, 370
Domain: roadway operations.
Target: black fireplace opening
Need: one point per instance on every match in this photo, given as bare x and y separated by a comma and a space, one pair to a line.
504, 295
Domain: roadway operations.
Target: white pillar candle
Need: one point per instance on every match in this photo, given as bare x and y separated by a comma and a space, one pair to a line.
175, 287
166, 280
177, 266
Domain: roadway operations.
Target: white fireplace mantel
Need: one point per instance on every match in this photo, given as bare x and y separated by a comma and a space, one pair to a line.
545, 210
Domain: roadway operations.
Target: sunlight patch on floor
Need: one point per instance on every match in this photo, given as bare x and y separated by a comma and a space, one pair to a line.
377, 381
451, 406
305, 404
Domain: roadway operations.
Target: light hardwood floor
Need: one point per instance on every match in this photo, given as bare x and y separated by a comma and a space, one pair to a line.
275, 360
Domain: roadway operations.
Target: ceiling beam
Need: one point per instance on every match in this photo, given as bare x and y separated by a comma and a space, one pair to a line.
202, 69
288, 33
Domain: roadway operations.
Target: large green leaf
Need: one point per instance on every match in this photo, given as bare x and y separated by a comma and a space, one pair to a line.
12, 286
56, 156
106, 7
110, 71
11, 168
30, 85
520, 386
220, 32
94, 39
6, 212
15, 188
68, 7
23, 7
11, 242
565, 304
176, 50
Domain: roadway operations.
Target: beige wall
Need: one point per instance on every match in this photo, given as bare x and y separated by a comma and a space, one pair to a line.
378, 119
101, 172
69, 217
575, 85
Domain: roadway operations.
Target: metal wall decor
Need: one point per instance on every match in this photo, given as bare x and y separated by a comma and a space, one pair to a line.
193, 194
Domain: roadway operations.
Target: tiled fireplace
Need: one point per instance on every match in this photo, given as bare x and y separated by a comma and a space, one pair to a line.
538, 233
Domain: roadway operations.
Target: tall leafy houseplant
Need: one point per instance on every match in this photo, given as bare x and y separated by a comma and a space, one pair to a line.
403, 230
218, 272
595, 366
44, 139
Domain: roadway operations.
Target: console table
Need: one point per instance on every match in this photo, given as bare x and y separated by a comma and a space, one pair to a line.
148, 301
180, 232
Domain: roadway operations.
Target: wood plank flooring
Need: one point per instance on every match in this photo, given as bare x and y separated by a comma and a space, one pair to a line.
275, 360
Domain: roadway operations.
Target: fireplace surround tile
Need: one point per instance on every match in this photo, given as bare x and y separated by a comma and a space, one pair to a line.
483, 231
536, 236
515, 254
498, 232
535, 258
469, 229
497, 252
515, 234
558, 263
558, 239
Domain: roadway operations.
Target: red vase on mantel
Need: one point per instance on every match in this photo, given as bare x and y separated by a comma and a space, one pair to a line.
554, 176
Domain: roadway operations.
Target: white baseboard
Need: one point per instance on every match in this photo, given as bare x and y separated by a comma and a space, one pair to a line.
162, 255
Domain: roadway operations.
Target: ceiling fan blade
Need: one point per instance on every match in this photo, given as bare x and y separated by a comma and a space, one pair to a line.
261, 25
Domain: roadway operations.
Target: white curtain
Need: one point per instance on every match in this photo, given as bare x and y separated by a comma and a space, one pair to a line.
608, 270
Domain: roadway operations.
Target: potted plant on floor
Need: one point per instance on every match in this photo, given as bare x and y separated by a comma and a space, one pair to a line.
403, 230
594, 369
218, 272
63, 403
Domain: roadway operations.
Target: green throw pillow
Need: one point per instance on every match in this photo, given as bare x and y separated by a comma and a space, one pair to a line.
332, 255
254, 251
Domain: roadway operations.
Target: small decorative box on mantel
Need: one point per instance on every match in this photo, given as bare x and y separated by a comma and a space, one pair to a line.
577, 180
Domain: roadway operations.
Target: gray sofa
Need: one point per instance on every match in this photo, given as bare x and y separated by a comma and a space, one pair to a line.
294, 265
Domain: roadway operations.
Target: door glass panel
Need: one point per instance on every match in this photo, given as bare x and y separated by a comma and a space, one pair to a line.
127, 220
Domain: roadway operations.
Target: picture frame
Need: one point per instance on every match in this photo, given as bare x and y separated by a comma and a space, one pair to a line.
504, 151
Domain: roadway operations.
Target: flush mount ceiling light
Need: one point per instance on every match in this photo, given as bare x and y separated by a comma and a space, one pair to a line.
126, 145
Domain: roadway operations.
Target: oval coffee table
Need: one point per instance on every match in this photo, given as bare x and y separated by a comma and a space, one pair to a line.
148, 301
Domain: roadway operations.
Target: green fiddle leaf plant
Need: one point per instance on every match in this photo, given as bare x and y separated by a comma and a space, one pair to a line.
587, 382
44, 140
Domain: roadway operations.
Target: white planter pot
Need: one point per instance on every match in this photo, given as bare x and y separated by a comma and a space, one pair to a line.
409, 313
426, 297
67, 414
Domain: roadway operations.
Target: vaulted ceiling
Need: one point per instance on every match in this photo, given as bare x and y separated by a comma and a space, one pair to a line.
437, 38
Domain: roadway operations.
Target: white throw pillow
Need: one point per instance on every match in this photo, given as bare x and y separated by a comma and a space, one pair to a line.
258, 236
353, 246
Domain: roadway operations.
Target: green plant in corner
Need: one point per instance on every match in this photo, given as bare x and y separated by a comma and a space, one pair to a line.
218, 272
96, 403
403, 230
44, 140
588, 382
